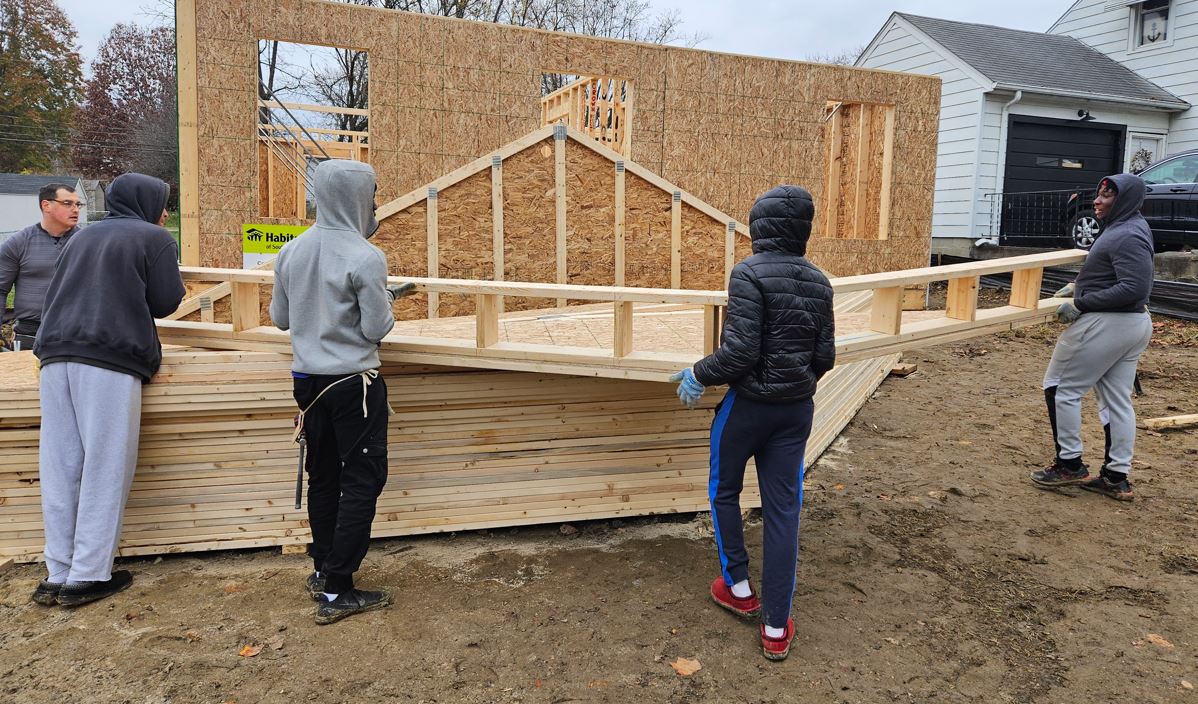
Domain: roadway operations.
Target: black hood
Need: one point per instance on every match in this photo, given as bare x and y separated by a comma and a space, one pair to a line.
1128, 200
137, 196
780, 220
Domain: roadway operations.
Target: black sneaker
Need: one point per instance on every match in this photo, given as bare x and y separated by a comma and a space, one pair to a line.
355, 601
84, 592
1057, 474
316, 587
1118, 489
46, 593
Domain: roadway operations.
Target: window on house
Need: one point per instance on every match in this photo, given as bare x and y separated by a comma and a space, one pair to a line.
1151, 22
1063, 162
600, 106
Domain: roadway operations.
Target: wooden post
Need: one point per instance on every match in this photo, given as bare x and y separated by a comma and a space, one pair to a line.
962, 300
626, 119
887, 176
247, 312
729, 249
886, 311
206, 313
434, 256
711, 328
863, 153
486, 320
497, 221
271, 179
189, 133
559, 178
1025, 288
831, 202
622, 329
619, 223
676, 240
301, 194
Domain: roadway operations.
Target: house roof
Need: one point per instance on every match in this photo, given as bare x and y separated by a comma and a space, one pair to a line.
27, 184
1042, 63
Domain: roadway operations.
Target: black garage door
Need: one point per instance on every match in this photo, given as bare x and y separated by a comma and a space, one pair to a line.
1054, 157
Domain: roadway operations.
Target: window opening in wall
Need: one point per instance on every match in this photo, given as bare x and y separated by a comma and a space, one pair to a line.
599, 106
313, 104
1151, 22
856, 198
1062, 162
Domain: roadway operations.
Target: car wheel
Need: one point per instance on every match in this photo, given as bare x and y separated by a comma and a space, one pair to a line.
1083, 229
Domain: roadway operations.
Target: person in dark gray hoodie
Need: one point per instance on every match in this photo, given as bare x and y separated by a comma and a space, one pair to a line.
331, 292
97, 345
1109, 328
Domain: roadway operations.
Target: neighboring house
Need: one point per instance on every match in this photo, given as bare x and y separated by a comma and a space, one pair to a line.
18, 200
1031, 112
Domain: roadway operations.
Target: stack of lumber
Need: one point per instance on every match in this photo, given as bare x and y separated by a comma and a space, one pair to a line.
468, 448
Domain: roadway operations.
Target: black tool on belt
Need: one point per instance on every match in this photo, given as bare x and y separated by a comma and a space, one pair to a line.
299, 472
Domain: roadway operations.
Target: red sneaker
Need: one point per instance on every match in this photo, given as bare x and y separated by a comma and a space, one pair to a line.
777, 648
722, 594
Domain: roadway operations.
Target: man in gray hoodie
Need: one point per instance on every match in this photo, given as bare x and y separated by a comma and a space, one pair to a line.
1108, 329
331, 292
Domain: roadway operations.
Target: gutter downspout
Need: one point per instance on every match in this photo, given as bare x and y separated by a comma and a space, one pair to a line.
999, 178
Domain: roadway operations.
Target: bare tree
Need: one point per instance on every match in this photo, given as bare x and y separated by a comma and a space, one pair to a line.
847, 57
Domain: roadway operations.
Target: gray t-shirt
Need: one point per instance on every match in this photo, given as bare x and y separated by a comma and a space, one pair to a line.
27, 259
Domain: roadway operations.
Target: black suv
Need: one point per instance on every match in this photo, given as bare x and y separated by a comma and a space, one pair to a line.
1170, 205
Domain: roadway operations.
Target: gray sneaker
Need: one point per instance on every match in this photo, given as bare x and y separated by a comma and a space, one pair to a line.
1057, 474
1119, 489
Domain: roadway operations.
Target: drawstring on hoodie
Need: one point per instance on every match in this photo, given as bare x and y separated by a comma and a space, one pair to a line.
367, 378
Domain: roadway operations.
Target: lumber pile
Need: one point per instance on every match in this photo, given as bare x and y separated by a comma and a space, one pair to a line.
468, 448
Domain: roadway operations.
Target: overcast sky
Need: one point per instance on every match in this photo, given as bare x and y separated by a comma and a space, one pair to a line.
783, 29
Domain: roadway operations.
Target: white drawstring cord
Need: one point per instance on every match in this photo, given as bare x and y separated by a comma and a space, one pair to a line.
367, 378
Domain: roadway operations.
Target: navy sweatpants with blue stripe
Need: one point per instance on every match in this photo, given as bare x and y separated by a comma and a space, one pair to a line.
775, 436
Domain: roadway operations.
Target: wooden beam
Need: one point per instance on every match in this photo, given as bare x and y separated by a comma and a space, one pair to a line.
620, 266
860, 188
559, 189
886, 188
831, 204
189, 133
434, 256
711, 328
497, 256
1177, 422
865, 282
301, 194
886, 311
676, 240
308, 107
486, 320
729, 249
1025, 287
622, 330
962, 300
246, 307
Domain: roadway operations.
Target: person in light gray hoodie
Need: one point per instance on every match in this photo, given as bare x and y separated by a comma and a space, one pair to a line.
331, 292
1109, 328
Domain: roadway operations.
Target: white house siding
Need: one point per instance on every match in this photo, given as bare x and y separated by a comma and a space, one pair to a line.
898, 50
1173, 66
17, 211
992, 159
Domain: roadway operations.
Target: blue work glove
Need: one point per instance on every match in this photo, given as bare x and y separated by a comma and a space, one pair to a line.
1065, 291
1067, 313
689, 388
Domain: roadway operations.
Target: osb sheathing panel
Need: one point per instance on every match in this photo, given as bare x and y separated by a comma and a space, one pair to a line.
444, 92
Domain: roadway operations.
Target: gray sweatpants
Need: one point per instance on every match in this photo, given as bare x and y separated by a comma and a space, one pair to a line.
1099, 351
91, 420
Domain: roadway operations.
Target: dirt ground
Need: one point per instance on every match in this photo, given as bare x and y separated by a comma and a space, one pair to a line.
931, 571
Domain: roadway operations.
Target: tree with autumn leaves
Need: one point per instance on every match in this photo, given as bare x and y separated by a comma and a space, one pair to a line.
41, 81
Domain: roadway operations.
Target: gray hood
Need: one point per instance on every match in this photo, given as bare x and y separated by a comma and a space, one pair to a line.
345, 196
1128, 200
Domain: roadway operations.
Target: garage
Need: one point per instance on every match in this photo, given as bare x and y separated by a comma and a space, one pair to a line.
1047, 163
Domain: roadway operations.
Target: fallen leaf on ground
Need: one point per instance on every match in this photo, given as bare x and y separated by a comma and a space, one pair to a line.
234, 587
275, 642
839, 487
884, 497
1186, 685
1159, 641
249, 651
191, 636
685, 667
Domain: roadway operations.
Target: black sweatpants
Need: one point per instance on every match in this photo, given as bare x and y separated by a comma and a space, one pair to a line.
775, 436
347, 468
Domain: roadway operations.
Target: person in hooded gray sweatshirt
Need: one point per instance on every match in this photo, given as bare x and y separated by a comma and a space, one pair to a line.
1109, 328
331, 292
98, 345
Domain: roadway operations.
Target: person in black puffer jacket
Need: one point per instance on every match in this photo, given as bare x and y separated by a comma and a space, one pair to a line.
778, 340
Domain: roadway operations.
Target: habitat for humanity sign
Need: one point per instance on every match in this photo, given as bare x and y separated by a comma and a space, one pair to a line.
261, 243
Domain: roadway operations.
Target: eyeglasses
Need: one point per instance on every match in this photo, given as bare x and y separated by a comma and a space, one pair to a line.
72, 204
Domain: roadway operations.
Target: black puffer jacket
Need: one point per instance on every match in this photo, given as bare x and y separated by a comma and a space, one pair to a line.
779, 333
